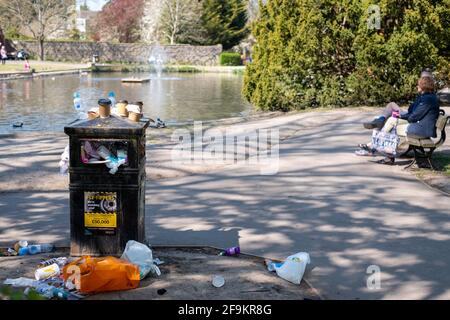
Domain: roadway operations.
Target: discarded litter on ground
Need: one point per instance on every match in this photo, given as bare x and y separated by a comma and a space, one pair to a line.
243, 276
230, 251
292, 269
47, 272
141, 255
103, 274
218, 281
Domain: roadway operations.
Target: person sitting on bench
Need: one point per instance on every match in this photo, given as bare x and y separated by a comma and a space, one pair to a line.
419, 121
392, 107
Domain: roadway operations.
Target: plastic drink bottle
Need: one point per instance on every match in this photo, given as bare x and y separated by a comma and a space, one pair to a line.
231, 251
77, 102
35, 249
61, 262
112, 97
24, 251
60, 293
78, 106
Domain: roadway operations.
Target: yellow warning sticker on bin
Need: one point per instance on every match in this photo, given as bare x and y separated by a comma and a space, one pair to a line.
100, 220
100, 212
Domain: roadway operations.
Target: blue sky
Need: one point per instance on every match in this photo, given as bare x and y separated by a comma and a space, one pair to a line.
95, 5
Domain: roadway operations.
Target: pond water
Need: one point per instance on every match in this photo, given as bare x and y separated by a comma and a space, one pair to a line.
46, 104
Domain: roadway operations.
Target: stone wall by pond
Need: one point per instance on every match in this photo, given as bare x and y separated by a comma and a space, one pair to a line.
122, 52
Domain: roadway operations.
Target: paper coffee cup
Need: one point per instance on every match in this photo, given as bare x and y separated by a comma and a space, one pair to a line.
218, 281
122, 109
133, 116
47, 272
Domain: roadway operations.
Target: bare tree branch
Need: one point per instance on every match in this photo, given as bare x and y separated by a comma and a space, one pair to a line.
40, 17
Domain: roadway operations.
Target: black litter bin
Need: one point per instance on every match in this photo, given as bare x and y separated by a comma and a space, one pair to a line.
106, 210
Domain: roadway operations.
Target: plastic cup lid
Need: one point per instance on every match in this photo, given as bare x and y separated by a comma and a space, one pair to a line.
218, 281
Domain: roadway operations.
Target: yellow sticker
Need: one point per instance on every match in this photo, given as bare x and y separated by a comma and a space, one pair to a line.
100, 220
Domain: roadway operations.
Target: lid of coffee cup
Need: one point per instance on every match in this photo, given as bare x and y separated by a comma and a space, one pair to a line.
104, 102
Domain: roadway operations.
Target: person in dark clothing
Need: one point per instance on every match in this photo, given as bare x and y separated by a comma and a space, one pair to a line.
418, 122
392, 108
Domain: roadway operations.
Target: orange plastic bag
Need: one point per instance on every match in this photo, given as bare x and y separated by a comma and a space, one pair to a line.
102, 274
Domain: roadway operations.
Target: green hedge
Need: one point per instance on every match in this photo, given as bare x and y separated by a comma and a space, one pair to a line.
230, 59
312, 53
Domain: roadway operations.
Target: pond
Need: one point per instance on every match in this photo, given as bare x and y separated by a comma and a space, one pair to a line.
46, 104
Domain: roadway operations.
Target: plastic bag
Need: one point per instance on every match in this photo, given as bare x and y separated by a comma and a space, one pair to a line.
140, 254
22, 282
294, 267
103, 274
64, 163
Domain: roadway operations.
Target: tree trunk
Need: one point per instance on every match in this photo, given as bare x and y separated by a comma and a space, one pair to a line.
41, 49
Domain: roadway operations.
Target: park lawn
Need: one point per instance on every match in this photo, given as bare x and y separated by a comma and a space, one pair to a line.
39, 66
442, 161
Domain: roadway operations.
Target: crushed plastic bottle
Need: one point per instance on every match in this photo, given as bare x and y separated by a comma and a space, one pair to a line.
21, 282
114, 162
36, 248
61, 262
45, 290
231, 251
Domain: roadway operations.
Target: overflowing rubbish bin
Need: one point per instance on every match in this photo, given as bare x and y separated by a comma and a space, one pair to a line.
107, 184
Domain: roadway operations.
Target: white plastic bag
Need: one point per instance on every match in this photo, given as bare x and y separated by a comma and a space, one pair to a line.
141, 255
64, 163
294, 267
22, 282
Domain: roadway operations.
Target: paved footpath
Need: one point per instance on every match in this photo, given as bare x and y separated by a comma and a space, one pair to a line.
347, 212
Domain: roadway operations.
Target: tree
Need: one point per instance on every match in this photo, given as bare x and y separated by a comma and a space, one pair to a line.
40, 17
179, 19
10, 25
120, 20
413, 35
84, 6
225, 21
325, 53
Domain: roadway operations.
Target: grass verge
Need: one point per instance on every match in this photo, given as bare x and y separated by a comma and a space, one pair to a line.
442, 162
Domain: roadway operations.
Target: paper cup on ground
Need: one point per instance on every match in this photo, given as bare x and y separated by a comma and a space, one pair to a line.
47, 272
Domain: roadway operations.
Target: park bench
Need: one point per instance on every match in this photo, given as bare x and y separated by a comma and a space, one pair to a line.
424, 148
